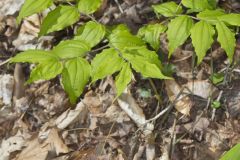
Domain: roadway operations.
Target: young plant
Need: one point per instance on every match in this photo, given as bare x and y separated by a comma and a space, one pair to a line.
202, 28
125, 52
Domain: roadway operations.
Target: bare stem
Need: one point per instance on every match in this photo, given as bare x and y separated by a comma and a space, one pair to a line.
157, 95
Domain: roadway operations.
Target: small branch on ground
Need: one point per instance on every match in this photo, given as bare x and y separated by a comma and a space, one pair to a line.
4, 62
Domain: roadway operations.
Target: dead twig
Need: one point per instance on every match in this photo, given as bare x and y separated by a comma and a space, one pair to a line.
4, 62
167, 108
105, 141
160, 114
173, 136
119, 6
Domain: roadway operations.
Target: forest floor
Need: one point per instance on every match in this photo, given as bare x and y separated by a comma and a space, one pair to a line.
37, 122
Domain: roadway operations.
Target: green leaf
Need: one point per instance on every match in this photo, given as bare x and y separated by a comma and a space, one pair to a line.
144, 93
144, 67
227, 39
88, 6
168, 69
142, 51
231, 19
217, 78
211, 16
121, 38
213, 3
46, 71
144, 63
33, 6
199, 5
106, 63
188, 3
216, 104
59, 18
92, 33
34, 56
75, 76
178, 32
232, 154
119, 29
123, 78
151, 34
168, 9
71, 49
202, 38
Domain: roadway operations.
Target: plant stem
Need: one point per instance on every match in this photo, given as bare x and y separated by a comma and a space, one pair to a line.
157, 95
99, 49
91, 17
178, 15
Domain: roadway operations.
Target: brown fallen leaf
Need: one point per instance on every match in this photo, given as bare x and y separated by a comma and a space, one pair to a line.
87, 154
12, 144
93, 103
6, 89
150, 151
114, 113
36, 150
70, 116
201, 88
55, 140
27, 37
9, 7
139, 153
130, 106
183, 104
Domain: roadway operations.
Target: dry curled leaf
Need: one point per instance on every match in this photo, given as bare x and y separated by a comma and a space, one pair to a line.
55, 140
129, 105
183, 103
201, 88
69, 116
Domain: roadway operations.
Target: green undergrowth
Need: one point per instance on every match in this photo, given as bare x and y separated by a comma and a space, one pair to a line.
202, 21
